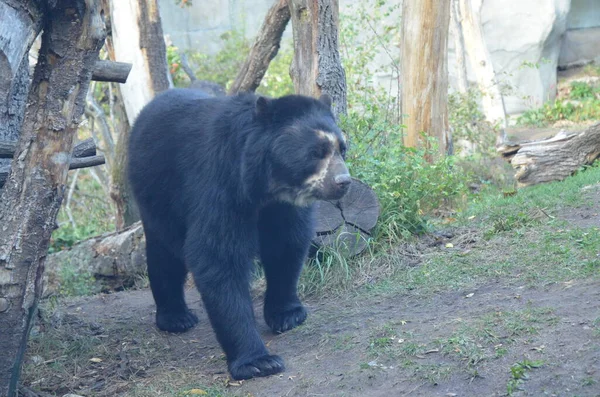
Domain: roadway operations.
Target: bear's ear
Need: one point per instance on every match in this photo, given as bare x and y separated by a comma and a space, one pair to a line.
262, 106
326, 99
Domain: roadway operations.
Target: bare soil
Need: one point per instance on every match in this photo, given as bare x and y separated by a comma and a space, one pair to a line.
373, 343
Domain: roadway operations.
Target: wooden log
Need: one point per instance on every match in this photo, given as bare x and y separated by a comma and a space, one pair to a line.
116, 72
115, 260
84, 148
552, 159
346, 224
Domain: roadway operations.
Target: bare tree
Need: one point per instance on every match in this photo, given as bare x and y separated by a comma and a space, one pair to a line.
481, 62
30, 200
137, 37
424, 71
263, 50
317, 67
459, 47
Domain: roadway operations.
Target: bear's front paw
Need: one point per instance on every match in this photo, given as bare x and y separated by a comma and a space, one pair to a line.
176, 322
261, 366
284, 320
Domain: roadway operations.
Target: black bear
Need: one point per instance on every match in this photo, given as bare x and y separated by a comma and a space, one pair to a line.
222, 181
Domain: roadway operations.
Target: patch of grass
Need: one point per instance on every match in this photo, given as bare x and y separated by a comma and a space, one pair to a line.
583, 104
74, 282
519, 372
92, 212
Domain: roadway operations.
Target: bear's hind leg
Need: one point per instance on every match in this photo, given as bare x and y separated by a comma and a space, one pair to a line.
285, 233
167, 277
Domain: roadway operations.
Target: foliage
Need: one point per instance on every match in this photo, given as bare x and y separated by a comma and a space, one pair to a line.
220, 68
277, 81
92, 212
74, 282
582, 104
406, 184
469, 124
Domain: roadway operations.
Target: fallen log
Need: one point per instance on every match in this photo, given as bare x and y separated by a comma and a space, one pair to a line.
116, 260
552, 159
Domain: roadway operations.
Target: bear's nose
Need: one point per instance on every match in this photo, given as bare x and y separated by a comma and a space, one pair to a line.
343, 180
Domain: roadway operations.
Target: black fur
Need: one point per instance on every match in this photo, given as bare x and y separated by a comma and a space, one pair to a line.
208, 175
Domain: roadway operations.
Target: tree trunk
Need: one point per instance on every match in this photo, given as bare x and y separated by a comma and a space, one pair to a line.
316, 68
137, 37
481, 62
553, 159
459, 47
424, 71
30, 200
264, 49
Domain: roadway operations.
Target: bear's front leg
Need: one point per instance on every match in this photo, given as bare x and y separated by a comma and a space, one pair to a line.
224, 286
285, 233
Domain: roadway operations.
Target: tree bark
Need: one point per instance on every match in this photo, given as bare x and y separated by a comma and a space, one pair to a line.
316, 68
553, 159
424, 71
481, 62
21, 23
264, 49
137, 38
30, 200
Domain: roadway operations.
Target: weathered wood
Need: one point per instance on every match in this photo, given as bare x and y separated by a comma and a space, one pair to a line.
316, 68
424, 72
72, 38
111, 71
346, 224
84, 148
137, 38
263, 50
479, 57
552, 159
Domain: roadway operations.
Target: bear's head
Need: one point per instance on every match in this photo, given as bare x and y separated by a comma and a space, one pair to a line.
306, 156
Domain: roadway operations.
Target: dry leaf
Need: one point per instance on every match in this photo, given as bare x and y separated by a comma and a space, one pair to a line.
196, 391
469, 295
96, 360
449, 245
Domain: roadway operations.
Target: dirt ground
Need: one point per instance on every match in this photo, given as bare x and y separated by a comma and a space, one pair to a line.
502, 337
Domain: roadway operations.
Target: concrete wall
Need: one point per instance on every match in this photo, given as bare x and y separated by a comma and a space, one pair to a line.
548, 32
581, 43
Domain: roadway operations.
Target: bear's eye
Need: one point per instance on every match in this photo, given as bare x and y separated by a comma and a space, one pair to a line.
320, 151
343, 151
